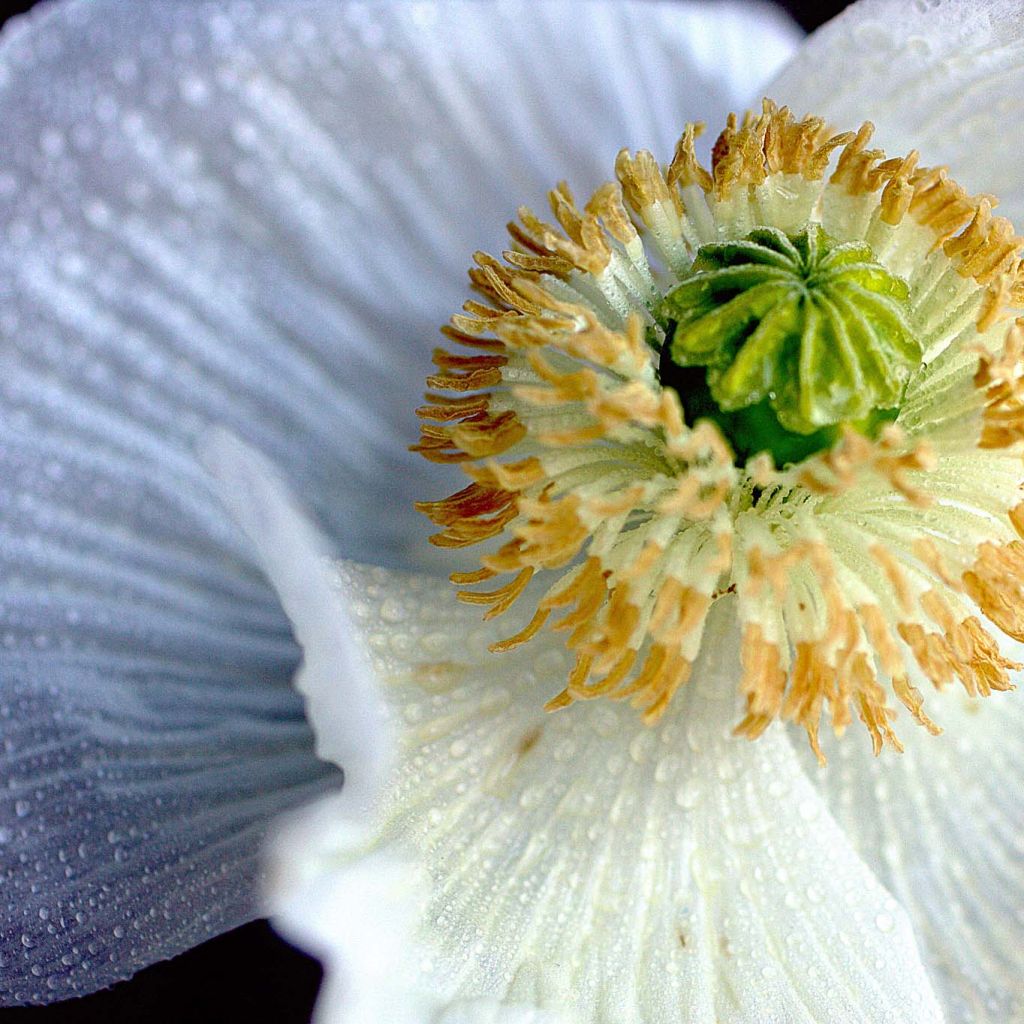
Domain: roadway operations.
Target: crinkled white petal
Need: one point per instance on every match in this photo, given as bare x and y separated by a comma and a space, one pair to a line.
944, 76
942, 825
611, 871
259, 214
149, 730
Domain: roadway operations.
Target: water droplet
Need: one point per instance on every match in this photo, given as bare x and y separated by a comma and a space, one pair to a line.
194, 90
565, 750
695, 737
531, 797
392, 611
401, 643
666, 768
640, 747
885, 922
809, 809
688, 794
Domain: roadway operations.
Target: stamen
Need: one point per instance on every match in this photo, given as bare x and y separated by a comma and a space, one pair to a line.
540, 616
784, 382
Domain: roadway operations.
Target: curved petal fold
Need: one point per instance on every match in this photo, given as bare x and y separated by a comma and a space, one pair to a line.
335, 676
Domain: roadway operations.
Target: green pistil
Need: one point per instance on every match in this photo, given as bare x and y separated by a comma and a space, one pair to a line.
783, 339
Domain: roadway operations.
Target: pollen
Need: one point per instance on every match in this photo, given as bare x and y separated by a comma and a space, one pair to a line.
793, 381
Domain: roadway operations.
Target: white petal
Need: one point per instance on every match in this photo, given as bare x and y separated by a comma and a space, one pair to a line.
945, 77
145, 671
616, 872
259, 215
490, 1011
325, 869
943, 827
354, 907
148, 736
335, 675
198, 225
133, 810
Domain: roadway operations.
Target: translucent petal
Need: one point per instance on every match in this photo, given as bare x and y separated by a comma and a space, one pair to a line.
614, 871
258, 215
944, 76
355, 908
324, 870
148, 723
942, 825
326, 873
139, 776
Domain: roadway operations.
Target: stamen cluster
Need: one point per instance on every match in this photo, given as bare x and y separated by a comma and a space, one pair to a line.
856, 568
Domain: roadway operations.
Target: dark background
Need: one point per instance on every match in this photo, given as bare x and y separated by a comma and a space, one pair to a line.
248, 975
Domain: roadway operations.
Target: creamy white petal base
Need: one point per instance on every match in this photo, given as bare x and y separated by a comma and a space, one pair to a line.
943, 827
943, 76
619, 873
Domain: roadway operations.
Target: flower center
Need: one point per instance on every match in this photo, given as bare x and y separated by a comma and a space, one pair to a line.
781, 338
787, 383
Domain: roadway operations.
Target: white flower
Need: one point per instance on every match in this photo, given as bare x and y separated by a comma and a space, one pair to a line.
256, 218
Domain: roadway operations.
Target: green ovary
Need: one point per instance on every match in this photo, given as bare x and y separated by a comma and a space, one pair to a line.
783, 339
